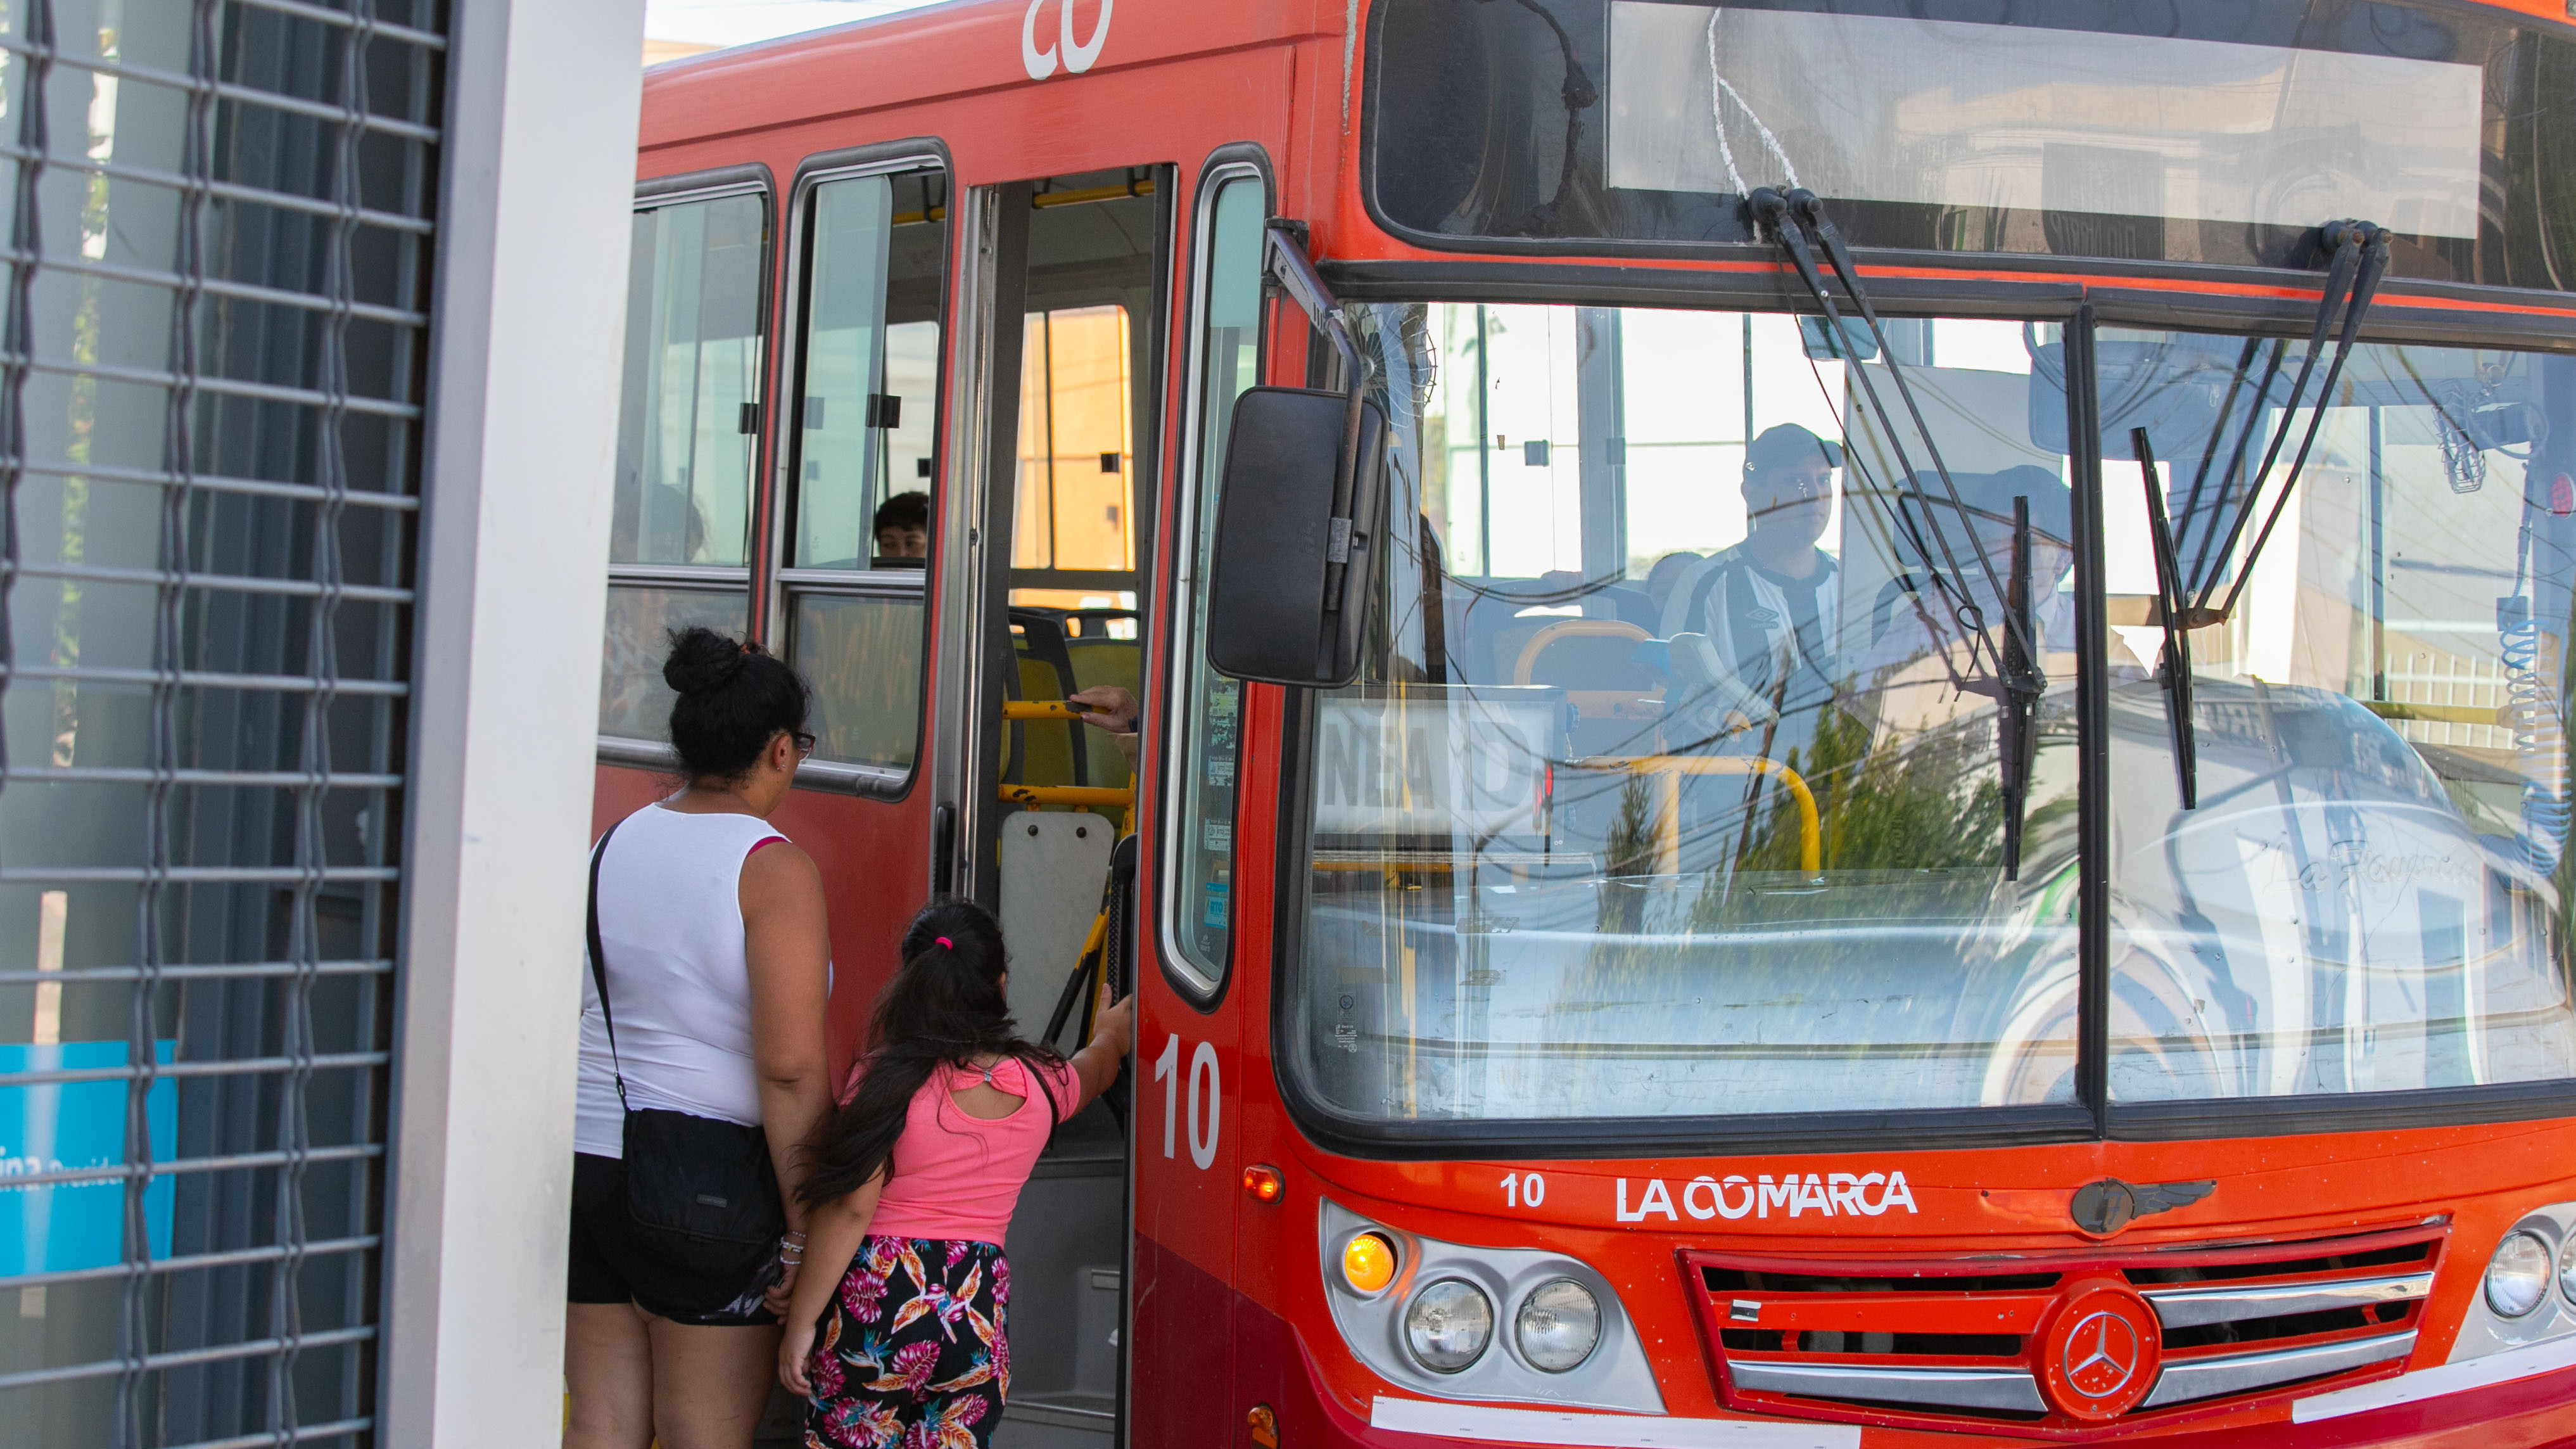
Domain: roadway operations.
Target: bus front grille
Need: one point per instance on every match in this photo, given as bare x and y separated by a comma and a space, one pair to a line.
2062, 1345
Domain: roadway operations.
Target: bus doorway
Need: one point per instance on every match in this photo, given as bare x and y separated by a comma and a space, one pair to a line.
1070, 467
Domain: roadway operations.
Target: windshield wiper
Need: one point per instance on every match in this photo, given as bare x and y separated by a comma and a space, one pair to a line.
2018, 746
2360, 260
2010, 675
2170, 609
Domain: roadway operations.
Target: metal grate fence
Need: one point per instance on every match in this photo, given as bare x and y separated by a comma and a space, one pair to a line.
220, 215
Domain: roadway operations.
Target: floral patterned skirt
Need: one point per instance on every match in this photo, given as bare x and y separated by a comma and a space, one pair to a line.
911, 1354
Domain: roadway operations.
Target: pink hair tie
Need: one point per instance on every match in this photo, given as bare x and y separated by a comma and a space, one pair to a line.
944, 941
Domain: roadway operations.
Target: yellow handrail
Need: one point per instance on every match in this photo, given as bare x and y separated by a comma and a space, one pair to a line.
1081, 796
1667, 771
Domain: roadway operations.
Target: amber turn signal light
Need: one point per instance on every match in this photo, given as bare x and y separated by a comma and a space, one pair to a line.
1264, 1426
1263, 1183
1368, 1262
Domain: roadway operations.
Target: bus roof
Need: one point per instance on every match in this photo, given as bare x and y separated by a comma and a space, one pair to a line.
943, 52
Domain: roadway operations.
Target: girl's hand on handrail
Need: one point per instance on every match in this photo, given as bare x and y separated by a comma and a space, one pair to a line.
1113, 1036
1119, 1022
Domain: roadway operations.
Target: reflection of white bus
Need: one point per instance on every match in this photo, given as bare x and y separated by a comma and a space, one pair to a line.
2326, 880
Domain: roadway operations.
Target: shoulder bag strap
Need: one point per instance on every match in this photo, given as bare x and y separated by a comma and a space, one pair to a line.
599, 967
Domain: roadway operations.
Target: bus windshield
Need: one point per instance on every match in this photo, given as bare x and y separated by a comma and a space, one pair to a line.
1716, 749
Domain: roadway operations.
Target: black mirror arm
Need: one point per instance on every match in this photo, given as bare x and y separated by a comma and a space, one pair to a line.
1287, 261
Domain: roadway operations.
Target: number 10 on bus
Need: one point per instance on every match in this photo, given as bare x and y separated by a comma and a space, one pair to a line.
1167, 1070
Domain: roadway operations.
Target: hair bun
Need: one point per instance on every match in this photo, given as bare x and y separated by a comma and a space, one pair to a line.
702, 659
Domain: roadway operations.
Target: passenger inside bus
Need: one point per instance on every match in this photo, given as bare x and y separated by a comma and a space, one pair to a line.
1662, 576
1112, 709
902, 529
1904, 622
1920, 624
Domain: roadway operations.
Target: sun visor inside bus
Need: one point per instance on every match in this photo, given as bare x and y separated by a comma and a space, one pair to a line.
2172, 392
2200, 395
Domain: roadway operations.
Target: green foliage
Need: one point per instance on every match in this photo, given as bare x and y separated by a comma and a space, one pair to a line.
1630, 851
1931, 803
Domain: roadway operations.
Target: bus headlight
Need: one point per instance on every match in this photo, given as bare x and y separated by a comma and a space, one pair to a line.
1558, 1324
1424, 1314
1448, 1325
2567, 1269
2518, 1274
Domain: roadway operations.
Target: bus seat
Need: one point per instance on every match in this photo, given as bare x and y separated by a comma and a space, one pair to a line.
1046, 753
1049, 755
1070, 753
1584, 654
1499, 639
1626, 602
1096, 623
1614, 699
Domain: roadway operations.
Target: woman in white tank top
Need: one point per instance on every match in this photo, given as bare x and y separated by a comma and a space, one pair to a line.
714, 944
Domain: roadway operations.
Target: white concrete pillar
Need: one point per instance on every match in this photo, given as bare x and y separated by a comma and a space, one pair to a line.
525, 359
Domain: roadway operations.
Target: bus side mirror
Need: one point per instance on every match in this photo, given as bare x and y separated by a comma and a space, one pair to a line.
1288, 581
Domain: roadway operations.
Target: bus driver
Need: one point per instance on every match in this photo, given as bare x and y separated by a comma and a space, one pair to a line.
1769, 606
1769, 603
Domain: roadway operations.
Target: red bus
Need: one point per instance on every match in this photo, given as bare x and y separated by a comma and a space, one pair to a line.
1853, 716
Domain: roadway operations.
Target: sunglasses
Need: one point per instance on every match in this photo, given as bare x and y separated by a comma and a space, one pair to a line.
805, 743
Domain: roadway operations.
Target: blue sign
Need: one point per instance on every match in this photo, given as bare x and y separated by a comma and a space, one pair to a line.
65, 1127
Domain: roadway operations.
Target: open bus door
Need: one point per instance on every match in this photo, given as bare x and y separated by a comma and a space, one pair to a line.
1030, 812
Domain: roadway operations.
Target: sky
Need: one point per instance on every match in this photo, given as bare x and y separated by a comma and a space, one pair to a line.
739, 22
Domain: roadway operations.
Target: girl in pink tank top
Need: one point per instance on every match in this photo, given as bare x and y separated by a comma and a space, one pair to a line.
897, 1332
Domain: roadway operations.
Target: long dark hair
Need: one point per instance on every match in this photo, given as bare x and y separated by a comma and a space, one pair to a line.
734, 698
944, 1007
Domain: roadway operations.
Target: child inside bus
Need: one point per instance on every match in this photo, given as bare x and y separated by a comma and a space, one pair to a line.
898, 1330
902, 526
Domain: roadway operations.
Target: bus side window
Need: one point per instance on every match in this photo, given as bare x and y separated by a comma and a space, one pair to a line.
1207, 720
687, 440
857, 425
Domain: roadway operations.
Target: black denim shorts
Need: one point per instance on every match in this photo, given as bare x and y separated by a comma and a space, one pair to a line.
610, 1266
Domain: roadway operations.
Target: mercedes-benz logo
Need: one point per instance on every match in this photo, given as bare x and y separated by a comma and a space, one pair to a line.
2101, 1354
